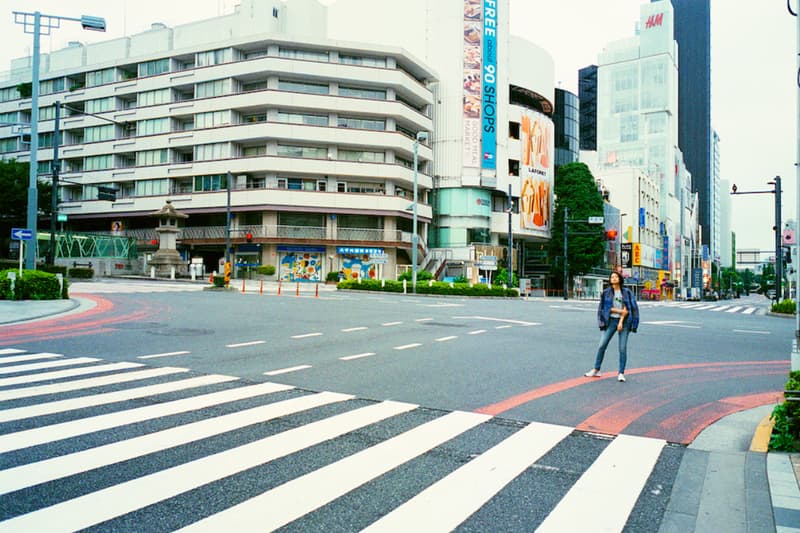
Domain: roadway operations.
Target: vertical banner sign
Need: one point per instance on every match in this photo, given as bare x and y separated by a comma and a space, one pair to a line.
489, 99
473, 30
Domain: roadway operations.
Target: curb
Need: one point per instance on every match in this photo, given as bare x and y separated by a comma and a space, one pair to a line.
760, 442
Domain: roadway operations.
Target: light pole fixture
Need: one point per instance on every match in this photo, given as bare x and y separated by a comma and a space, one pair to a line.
421, 136
38, 24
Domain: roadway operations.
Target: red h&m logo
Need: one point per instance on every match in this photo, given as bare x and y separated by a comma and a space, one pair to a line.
654, 20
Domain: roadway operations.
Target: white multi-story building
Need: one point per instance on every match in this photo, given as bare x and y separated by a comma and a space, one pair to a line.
637, 115
716, 193
318, 136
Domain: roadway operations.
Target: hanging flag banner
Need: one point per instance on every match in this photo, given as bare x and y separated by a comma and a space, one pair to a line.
473, 30
489, 93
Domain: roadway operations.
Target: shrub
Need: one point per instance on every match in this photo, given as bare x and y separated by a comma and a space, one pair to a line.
422, 275
219, 281
786, 432
81, 273
266, 270
5, 284
437, 287
785, 307
332, 276
502, 277
54, 269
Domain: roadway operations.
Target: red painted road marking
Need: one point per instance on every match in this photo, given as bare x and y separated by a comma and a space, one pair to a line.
553, 388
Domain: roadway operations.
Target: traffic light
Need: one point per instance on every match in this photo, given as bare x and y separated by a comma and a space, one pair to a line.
787, 255
227, 272
248, 237
611, 235
107, 193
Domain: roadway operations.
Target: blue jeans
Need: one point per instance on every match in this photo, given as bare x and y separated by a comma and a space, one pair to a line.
605, 338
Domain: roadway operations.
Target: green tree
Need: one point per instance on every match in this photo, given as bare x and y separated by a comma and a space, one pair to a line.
14, 199
576, 189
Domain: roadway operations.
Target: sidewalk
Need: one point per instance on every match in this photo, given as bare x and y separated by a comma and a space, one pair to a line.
15, 312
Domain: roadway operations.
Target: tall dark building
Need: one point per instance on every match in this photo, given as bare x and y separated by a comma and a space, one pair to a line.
587, 95
565, 119
693, 33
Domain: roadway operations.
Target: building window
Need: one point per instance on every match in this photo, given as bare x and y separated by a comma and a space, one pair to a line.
256, 183
211, 88
212, 119
357, 92
361, 156
100, 77
51, 86
153, 68
98, 162
151, 157
152, 187
43, 167
99, 105
254, 117
8, 94
362, 123
214, 57
159, 96
98, 133
513, 167
10, 117
513, 130
629, 128
208, 152
254, 86
365, 187
215, 182
363, 61
254, 151
302, 87
310, 55
9, 145
152, 126
303, 118
305, 152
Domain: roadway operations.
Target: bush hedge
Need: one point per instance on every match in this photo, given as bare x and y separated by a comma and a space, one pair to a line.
34, 285
786, 432
786, 307
265, 270
437, 287
81, 273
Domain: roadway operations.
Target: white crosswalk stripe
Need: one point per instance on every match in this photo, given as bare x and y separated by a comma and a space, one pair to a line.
85, 457
714, 307
130, 287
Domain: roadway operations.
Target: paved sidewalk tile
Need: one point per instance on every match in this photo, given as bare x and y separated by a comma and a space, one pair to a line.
785, 493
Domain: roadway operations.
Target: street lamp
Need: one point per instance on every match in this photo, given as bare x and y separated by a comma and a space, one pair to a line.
421, 136
37, 24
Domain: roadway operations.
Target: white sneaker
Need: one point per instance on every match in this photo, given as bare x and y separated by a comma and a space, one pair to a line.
593, 373
621, 378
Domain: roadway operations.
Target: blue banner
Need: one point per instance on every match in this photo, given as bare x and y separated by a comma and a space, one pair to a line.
641, 217
357, 250
705, 252
489, 88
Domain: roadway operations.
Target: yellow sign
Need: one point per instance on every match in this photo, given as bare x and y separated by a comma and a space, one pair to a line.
227, 272
637, 254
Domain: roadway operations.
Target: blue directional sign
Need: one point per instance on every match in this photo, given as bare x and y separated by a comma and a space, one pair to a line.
21, 234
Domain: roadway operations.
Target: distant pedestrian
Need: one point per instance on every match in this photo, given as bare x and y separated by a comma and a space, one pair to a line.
616, 312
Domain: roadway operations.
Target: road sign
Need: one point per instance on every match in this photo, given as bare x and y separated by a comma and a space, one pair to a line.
21, 234
379, 259
595, 220
62, 217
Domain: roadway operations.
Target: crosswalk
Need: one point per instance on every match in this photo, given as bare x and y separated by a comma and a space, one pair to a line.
87, 443
715, 307
133, 287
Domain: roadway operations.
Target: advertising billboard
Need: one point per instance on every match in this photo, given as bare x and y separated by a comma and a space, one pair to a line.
473, 63
536, 171
489, 100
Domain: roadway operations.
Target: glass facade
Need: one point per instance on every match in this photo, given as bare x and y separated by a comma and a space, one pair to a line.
566, 119
587, 96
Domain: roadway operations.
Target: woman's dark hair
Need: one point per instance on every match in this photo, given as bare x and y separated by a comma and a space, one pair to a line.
621, 279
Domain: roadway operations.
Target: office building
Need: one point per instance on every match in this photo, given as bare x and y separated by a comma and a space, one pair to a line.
566, 121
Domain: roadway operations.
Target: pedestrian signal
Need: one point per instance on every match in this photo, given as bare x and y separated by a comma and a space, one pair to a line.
611, 234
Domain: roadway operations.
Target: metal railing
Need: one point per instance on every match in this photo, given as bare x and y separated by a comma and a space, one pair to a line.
280, 232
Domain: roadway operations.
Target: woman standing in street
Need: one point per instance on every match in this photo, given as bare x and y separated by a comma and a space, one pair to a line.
616, 312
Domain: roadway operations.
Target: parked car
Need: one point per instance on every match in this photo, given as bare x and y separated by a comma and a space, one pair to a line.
771, 294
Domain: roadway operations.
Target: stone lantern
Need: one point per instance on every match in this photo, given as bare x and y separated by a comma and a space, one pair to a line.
167, 261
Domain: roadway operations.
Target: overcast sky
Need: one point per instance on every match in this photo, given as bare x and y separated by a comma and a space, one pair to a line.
754, 92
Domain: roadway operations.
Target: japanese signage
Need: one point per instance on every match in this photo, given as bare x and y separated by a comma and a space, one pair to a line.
473, 61
489, 100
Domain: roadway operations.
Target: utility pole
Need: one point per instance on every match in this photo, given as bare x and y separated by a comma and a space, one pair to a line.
566, 263
510, 239
778, 246
55, 168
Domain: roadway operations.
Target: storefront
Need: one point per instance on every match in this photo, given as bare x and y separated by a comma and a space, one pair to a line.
361, 262
301, 263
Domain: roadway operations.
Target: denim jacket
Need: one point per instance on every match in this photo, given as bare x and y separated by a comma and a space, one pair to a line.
604, 308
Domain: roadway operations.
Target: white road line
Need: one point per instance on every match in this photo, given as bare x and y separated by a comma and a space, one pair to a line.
56, 388
47, 376
407, 346
703, 307
302, 495
443, 339
503, 327
359, 328
48, 364
10, 351
720, 308
306, 335
167, 354
589, 505
356, 356
510, 321
749, 311
448, 502
755, 331
31, 474
73, 428
477, 332
82, 402
29, 357
734, 309
103, 505
241, 344
423, 320
286, 370
391, 323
